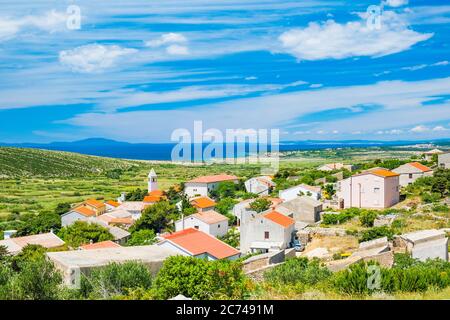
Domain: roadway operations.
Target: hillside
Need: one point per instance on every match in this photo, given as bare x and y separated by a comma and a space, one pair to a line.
23, 162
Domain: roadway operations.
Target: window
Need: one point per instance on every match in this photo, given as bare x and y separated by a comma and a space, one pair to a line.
196, 227
218, 226
410, 175
376, 190
266, 235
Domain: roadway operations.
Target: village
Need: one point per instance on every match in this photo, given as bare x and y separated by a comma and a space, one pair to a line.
221, 217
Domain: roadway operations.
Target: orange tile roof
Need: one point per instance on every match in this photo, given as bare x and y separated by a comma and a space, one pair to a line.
84, 211
214, 178
100, 245
154, 196
197, 242
210, 217
279, 218
380, 172
420, 166
94, 203
122, 221
203, 202
112, 203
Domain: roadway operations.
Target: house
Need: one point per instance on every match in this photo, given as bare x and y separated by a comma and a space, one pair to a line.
134, 208
76, 214
195, 243
424, 244
100, 245
444, 160
376, 188
240, 208
111, 205
336, 166
264, 232
303, 189
76, 262
47, 240
202, 186
97, 206
203, 203
260, 185
118, 217
302, 209
410, 172
210, 222
429, 154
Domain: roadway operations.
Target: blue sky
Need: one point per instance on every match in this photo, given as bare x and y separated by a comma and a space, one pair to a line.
137, 70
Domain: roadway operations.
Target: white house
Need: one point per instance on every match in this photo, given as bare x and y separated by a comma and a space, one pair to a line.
303, 189
76, 214
429, 154
210, 222
195, 243
302, 209
202, 186
444, 161
410, 172
336, 166
376, 188
47, 240
265, 232
240, 208
260, 185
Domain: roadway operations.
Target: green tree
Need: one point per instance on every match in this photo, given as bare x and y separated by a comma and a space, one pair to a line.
142, 237
231, 238
260, 204
82, 232
226, 189
41, 223
115, 279
62, 208
367, 217
157, 217
200, 279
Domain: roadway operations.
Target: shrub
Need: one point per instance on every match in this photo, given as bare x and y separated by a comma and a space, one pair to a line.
82, 232
297, 271
375, 233
260, 205
142, 237
115, 279
231, 238
200, 279
367, 217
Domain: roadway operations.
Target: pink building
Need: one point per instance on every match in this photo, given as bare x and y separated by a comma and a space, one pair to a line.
376, 188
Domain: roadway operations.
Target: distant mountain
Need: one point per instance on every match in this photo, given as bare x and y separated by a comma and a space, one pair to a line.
162, 151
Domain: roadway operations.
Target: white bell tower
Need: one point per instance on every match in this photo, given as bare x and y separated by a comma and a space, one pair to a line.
152, 181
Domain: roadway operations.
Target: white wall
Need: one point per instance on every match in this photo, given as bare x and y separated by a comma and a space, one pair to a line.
216, 229
292, 193
194, 189
68, 218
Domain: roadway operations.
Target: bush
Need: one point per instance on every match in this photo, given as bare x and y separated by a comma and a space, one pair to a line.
375, 233
297, 271
367, 217
200, 279
428, 197
82, 232
142, 237
231, 238
260, 205
157, 217
341, 217
115, 280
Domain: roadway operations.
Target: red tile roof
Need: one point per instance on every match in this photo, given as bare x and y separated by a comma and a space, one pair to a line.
112, 203
129, 221
420, 166
94, 203
214, 178
210, 217
100, 245
154, 196
203, 202
383, 173
84, 211
279, 218
197, 242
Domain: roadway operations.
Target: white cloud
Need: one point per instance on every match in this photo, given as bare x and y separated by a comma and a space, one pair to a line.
177, 50
332, 40
50, 21
423, 66
165, 39
440, 128
93, 57
316, 85
251, 78
420, 129
396, 3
